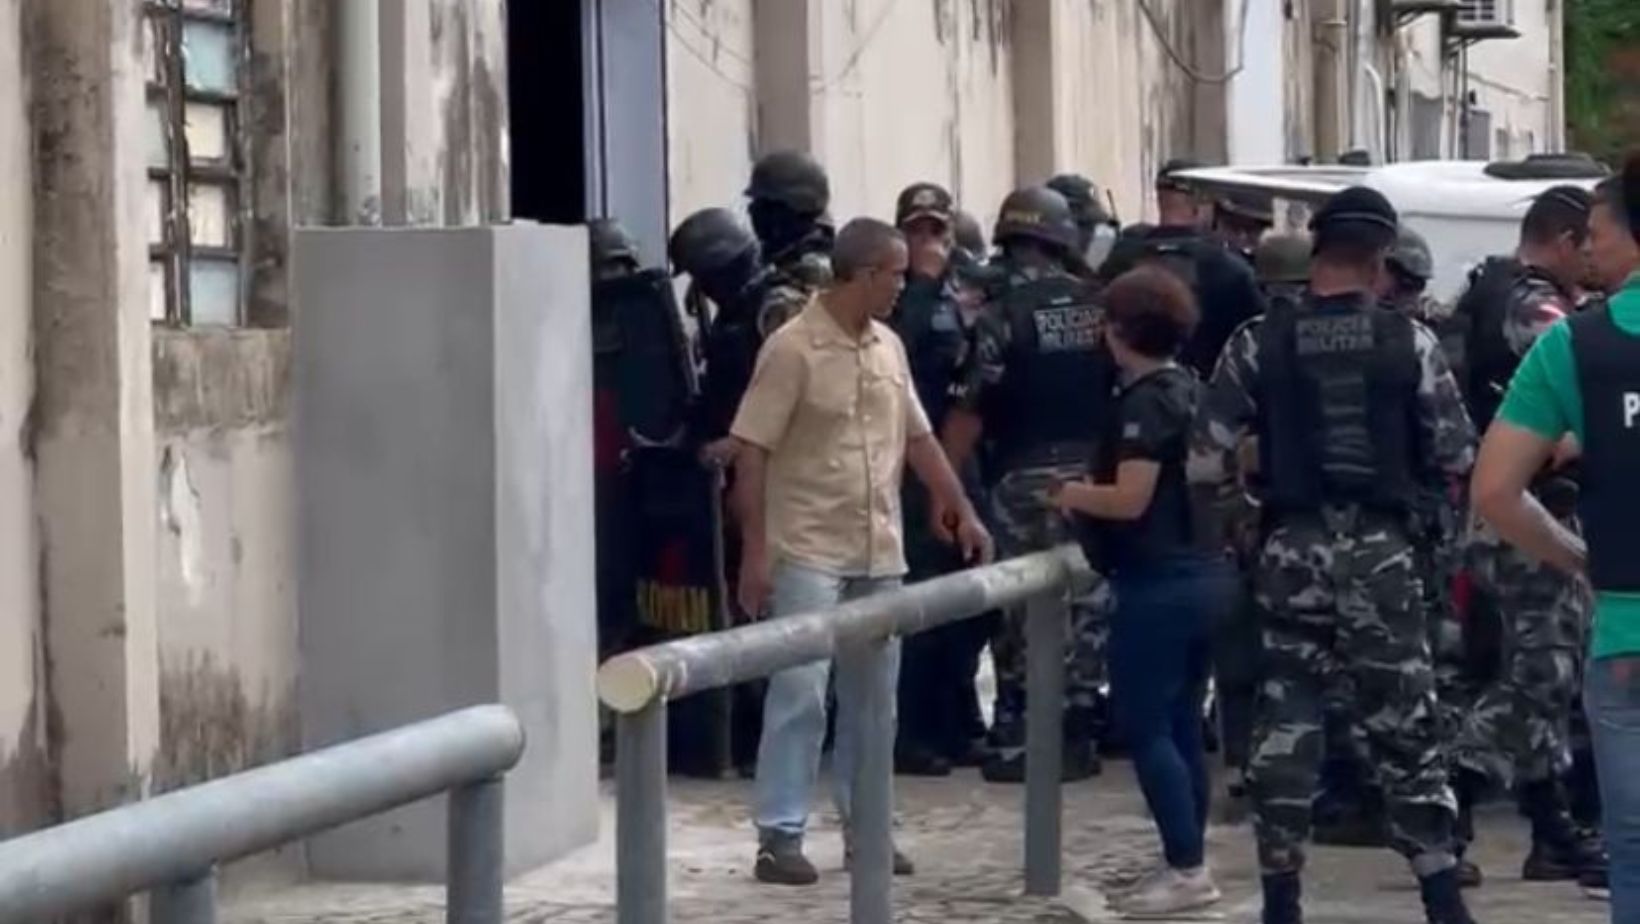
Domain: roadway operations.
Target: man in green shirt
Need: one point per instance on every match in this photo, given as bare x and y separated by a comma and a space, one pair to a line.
1582, 379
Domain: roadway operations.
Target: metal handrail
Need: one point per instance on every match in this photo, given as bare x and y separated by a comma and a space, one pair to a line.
171, 844
638, 685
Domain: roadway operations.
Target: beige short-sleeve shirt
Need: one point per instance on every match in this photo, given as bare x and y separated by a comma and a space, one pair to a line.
835, 414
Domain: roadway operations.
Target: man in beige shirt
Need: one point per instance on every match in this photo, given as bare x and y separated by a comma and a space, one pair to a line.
826, 430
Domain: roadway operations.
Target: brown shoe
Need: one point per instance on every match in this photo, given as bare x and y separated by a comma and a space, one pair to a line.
780, 861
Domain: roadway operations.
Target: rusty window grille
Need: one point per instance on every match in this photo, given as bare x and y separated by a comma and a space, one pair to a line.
194, 53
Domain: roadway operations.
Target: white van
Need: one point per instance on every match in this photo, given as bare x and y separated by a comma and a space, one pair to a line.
1467, 210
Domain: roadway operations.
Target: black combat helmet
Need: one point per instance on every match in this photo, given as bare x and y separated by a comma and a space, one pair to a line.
611, 243
793, 179
1087, 206
709, 240
969, 235
1282, 258
1411, 255
1037, 213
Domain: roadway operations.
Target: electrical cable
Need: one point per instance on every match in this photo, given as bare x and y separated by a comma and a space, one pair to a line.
1160, 30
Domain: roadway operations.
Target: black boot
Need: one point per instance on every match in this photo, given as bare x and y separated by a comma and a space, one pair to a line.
1443, 898
916, 759
1561, 852
1282, 899
1469, 873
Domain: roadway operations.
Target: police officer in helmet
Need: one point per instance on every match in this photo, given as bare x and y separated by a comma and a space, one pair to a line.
614, 251
1354, 407
723, 262
1035, 389
789, 194
1281, 265
1410, 267
1096, 227
1225, 289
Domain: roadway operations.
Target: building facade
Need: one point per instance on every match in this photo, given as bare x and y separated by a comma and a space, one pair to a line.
156, 155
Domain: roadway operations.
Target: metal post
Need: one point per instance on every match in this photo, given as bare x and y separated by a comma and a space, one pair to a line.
191, 901
1045, 622
871, 803
640, 816
477, 854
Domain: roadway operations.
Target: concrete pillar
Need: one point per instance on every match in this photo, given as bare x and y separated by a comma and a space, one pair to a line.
444, 477
94, 420
784, 39
1036, 111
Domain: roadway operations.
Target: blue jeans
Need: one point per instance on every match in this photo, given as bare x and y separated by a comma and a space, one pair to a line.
1613, 705
1160, 657
794, 711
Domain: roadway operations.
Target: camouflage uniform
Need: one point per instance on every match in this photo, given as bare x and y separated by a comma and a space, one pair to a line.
1340, 595
1026, 522
1518, 730
795, 277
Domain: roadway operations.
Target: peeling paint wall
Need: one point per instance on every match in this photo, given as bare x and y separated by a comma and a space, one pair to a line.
904, 92
711, 101
886, 93
24, 769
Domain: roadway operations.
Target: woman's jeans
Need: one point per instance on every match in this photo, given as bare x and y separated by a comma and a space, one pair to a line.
794, 711
1611, 697
1160, 657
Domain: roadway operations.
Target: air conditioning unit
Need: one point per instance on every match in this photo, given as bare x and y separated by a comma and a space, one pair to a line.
1483, 15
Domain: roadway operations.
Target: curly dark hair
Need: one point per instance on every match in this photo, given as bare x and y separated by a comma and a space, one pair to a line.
1152, 311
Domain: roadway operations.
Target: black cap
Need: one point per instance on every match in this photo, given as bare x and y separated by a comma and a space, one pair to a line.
924, 200
1165, 178
1360, 206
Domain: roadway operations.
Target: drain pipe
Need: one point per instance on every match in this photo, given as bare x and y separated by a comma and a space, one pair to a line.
359, 150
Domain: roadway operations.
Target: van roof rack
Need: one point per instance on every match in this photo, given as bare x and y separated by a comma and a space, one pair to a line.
1572, 165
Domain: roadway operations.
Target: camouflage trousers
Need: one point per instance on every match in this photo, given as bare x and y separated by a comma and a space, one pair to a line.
1027, 523
1343, 610
1519, 729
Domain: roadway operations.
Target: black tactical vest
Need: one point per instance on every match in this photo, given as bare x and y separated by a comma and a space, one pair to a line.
1478, 319
1057, 388
1337, 397
1608, 374
930, 325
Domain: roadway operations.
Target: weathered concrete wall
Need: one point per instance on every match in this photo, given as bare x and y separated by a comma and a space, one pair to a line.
711, 103
25, 786
1122, 106
93, 414
222, 462
1513, 80
903, 92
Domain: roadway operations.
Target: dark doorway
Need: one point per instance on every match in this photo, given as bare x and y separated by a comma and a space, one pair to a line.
546, 86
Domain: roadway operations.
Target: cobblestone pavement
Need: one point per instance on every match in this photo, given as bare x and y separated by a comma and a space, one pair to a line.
966, 837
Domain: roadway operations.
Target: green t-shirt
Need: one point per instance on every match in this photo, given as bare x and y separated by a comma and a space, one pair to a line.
1544, 398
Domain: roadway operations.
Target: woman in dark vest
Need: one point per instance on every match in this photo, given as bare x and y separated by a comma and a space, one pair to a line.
1169, 594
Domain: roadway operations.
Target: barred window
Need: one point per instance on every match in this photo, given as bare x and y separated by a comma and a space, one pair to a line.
194, 51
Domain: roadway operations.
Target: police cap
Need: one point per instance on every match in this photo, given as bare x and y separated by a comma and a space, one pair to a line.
793, 179
1361, 209
1036, 213
611, 243
1282, 258
1250, 207
1087, 206
709, 240
1166, 179
1411, 255
924, 200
